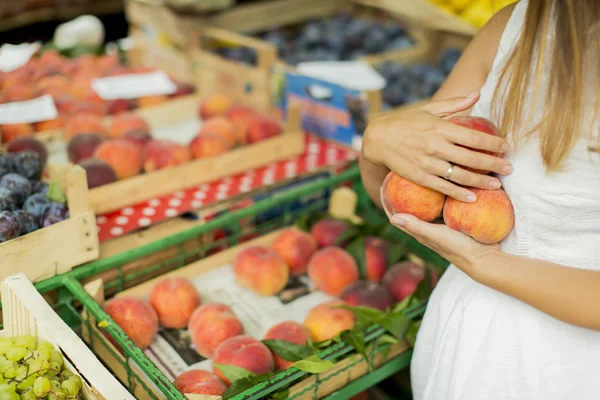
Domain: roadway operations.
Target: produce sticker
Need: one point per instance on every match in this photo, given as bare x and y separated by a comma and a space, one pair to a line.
29, 111
134, 86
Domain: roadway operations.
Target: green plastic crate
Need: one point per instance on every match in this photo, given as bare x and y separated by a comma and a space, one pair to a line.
72, 296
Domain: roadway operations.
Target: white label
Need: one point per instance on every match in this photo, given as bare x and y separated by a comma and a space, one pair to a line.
24, 112
134, 86
15, 56
356, 75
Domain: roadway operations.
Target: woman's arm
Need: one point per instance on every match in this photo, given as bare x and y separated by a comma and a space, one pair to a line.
468, 75
571, 295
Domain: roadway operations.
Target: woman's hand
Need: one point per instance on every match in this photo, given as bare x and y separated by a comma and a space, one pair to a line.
420, 145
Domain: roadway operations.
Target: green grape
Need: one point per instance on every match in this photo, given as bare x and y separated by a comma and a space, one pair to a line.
8, 369
57, 357
25, 341
65, 374
44, 354
16, 353
77, 380
29, 357
21, 373
57, 394
54, 369
9, 396
70, 387
55, 383
28, 395
38, 367
2, 359
41, 386
5, 344
43, 344
27, 383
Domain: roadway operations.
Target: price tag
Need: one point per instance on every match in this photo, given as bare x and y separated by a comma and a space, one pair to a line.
134, 86
24, 112
15, 56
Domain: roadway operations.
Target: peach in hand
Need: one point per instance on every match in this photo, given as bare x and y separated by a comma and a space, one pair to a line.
401, 196
479, 124
489, 220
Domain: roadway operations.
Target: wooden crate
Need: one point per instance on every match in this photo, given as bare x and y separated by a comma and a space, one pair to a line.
25, 312
157, 183
59, 247
340, 375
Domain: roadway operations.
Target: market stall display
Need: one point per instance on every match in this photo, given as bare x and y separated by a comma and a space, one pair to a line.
42, 357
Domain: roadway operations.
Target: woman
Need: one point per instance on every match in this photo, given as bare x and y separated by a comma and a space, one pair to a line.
519, 321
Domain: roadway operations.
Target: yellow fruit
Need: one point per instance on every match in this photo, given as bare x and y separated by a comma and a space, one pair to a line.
460, 5
478, 14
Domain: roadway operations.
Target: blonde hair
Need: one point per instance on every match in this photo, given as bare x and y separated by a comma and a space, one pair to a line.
566, 61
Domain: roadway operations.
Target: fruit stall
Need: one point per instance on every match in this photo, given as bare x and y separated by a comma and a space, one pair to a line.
181, 210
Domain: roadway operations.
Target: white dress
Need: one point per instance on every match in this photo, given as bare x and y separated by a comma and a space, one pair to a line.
478, 344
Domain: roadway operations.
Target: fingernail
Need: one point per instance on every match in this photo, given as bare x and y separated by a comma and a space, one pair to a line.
506, 170
472, 94
397, 220
494, 184
471, 198
505, 147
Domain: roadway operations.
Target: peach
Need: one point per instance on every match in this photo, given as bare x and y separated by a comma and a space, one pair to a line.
261, 270
289, 331
489, 220
107, 62
28, 143
18, 77
82, 90
402, 279
94, 107
376, 250
84, 123
19, 92
325, 320
125, 122
479, 124
56, 82
261, 128
13, 131
174, 300
159, 154
50, 125
151, 101
196, 381
327, 231
296, 248
136, 317
83, 146
214, 106
244, 352
220, 126
139, 137
403, 196
123, 156
98, 172
368, 294
120, 106
332, 269
207, 145
240, 117
66, 104
210, 325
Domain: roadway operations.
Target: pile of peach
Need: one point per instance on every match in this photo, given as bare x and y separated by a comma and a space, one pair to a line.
125, 148
489, 220
217, 333
68, 81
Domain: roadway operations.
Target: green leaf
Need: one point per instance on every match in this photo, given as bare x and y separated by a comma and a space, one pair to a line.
303, 222
287, 350
55, 193
314, 365
372, 314
357, 341
403, 304
280, 394
241, 385
396, 324
411, 333
384, 340
395, 253
357, 250
346, 235
233, 373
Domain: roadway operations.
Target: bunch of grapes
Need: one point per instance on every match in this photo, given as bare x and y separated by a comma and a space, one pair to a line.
32, 370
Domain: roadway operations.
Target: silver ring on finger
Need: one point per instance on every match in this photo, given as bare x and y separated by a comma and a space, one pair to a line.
449, 172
